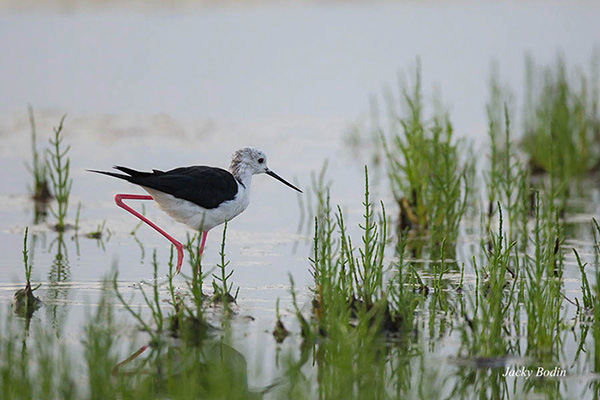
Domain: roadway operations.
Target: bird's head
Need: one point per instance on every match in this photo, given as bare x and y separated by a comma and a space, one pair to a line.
254, 161
251, 159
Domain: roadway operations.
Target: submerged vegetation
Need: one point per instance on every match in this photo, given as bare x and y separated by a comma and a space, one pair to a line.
412, 312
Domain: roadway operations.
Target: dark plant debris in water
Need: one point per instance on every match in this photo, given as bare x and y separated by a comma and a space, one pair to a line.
25, 303
280, 332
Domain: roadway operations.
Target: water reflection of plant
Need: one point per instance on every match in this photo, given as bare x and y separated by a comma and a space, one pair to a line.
60, 272
188, 359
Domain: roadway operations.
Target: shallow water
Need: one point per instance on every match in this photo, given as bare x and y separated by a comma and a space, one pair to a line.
160, 89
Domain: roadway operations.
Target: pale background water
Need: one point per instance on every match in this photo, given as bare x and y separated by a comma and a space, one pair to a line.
161, 88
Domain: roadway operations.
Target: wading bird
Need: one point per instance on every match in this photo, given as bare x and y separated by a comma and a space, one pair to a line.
200, 197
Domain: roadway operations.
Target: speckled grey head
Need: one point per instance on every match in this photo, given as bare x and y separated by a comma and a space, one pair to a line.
251, 161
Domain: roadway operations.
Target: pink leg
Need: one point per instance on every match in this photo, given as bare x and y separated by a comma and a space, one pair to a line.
129, 359
202, 242
119, 200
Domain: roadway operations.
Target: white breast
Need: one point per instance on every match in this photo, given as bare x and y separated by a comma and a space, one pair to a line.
197, 217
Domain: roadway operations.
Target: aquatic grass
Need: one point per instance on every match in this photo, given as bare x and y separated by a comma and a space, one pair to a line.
353, 310
59, 171
143, 212
315, 192
380, 326
587, 297
485, 335
507, 179
561, 121
543, 287
33, 364
100, 340
279, 332
426, 174
40, 192
99, 233
595, 358
349, 358
154, 330
42, 366
589, 314
26, 263
359, 282
340, 275
195, 283
25, 302
77, 215
222, 288
406, 289
306, 329
366, 269
197, 365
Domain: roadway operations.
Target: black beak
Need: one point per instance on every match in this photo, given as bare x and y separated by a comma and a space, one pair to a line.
280, 179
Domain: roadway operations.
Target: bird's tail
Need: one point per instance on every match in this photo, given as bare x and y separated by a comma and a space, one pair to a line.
131, 173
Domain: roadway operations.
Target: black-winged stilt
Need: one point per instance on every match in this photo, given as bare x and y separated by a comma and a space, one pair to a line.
200, 197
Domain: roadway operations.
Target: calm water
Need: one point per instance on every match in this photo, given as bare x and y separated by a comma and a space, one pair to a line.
160, 89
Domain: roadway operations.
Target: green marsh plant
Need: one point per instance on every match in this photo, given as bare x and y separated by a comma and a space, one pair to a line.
221, 285
25, 302
279, 332
507, 179
544, 284
34, 369
190, 364
351, 282
152, 302
366, 268
562, 123
134, 230
195, 284
426, 173
59, 167
359, 304
40, 191
487, 334
595, 386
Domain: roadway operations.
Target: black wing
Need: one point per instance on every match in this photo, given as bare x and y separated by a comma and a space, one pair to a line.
205, 186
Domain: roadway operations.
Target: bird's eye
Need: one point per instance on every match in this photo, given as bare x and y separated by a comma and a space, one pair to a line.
261, 160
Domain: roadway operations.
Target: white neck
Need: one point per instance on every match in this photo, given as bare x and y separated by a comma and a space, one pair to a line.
242, 173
